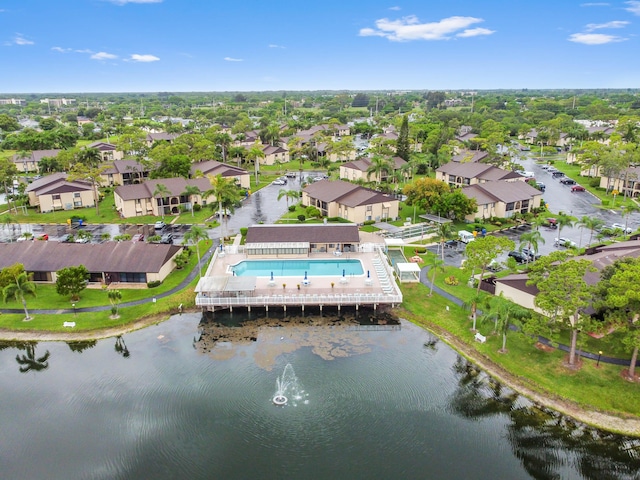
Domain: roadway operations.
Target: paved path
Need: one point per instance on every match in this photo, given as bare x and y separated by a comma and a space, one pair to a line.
424, 279
205, 258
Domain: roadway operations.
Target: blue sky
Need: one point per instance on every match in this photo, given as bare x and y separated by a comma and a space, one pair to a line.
212, 45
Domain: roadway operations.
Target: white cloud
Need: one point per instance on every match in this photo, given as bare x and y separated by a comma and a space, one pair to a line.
230, 59
20, 40
475, 32
103, 56
124, 2
394, 8
634, 7
143, 58
84, 50
273, 45
409, 28
594, 4
60, 49
614, 24
594, 38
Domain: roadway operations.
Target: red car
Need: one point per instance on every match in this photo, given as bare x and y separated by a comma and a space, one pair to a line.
44, 237
577, 188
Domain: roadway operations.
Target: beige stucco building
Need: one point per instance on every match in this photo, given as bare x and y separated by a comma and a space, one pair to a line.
351, 202
55, 192
502, 199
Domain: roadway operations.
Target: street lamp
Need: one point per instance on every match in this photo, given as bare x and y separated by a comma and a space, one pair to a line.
599, 355
74, 310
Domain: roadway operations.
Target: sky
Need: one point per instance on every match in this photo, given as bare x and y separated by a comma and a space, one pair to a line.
77, 46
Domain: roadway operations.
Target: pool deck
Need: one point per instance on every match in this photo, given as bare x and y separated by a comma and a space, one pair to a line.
352, 290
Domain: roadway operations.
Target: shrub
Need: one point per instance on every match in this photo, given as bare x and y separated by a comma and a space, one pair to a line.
243, 231
197, 207
301, 218
605, 203
154, 284
451, 280
420, 250
594, 182
369, 222
292, 208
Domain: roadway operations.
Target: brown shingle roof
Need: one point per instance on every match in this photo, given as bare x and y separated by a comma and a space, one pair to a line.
213, 167
504, 191
345, 193
129, 257
303, 233
176, 187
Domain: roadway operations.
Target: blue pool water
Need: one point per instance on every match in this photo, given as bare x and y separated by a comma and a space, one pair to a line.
297, 268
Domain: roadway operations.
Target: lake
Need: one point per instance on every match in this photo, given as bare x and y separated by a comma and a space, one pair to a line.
193, 398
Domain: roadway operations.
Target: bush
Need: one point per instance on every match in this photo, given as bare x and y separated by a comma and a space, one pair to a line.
594, 182
301, 218
451, 280
243, 231
420, 250
605, 203
154, 284
368, 222
197, 207
292, 208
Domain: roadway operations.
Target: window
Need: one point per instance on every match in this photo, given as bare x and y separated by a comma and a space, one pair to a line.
76, 195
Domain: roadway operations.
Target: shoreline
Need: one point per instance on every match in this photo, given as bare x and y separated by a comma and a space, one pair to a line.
629, 425
623, 425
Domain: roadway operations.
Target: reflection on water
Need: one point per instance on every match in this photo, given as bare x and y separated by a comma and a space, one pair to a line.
193, 398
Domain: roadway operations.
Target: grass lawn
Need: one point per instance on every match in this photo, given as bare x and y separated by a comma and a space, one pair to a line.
47, 298
594, 388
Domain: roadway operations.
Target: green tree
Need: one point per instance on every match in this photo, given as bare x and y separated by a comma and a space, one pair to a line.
8, 274
162, 192
621, 300
8, 123
115, 297
18, 288
532, 240
503, 312
563, 293
424, 192
8, 172
288, 195
402, 143
190, 191
71, 281
225, 192
484, 250
254, 155
193, 237
627, 210
444, 231
435, 264
564, 220
380, 168
592, 223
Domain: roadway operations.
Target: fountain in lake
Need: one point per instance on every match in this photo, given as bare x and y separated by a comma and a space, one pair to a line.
288, 388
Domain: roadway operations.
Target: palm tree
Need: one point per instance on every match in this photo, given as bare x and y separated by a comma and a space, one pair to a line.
532, 240
194, 236
288, 195
628, 209
21, 286
564, 220
238, 153
592, 223
435, 263
379, 166
163, 192
225, 191
190, 191
472, 306
29, 361
254, 155
115, 297
90, 157
444, 233
502, 311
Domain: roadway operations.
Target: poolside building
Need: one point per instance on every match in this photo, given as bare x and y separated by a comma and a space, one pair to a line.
300, 265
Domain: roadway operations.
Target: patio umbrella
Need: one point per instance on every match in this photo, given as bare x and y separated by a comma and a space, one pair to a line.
305, 274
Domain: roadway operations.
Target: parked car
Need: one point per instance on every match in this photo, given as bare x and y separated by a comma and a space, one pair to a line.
557, 174
167, 238
225, 212
552, 169
578, 188
527, 174
551, 223
82, 240
66, 238
565, 242
279, 181
532, 254
291, 174
567, 181
159, 225
44, 236
138, 237
620, 226
541, 186
518, 256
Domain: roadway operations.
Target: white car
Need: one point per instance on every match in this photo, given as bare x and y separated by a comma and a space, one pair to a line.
279, 181
527, 174
620, 226
565, 242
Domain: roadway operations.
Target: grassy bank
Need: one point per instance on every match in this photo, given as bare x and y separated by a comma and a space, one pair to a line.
600, 388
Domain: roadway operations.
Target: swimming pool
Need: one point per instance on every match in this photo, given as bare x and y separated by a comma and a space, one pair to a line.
297, 268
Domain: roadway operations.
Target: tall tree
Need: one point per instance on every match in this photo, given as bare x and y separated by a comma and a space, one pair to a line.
254, 155
592, 223
532, 240
162, 192
288, 195
435, 264
191, 191
564, 220
193, 237
444, 232
225, 192
563, 293
403, 148
484, 250
380, 168
503, 312
18, 288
